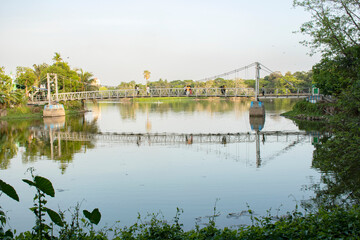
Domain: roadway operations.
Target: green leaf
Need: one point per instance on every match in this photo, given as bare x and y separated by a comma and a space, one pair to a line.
9, 234
8, 190
44, 185
55, 217
94, 217
31, 183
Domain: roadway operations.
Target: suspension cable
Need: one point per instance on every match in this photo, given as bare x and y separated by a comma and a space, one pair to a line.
225, 74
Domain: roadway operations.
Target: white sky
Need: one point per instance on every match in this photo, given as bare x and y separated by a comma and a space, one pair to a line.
117, 40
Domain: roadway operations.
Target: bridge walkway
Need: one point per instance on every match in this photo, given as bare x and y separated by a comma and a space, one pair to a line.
172, 92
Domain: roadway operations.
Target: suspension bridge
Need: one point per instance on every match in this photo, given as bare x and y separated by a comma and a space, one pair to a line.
290, 92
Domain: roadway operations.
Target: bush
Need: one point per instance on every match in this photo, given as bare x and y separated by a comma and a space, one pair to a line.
73, 105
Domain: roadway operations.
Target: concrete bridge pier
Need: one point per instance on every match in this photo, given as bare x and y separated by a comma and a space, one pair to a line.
257, 109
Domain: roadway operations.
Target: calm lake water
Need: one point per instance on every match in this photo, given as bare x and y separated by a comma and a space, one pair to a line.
152, 157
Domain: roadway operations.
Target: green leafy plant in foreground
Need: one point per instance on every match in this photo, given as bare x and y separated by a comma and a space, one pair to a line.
43, 187
41, 230
9, 191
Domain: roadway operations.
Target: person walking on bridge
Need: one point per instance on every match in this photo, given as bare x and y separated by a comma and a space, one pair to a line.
188, 89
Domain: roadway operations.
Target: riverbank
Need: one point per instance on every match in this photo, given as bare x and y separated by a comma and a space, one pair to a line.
307, 111
36, 111
337, 223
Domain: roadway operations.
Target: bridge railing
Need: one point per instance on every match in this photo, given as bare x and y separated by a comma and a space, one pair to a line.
172, 92
286, 91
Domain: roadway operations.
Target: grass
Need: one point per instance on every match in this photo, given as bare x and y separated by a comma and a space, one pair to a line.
36, 112
308, 111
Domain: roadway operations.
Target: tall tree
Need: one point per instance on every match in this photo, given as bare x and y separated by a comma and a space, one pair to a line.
25, 76
334, 31
146, 76
86, 78
57, 58
38, 69
334, 26
8, 97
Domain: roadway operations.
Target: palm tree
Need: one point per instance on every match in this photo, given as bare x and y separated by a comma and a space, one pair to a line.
57, 58
38, 69
86, 78
146, 76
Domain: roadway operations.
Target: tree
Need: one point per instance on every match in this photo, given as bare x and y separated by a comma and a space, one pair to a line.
68, 80
57, 58
146, 76
8, 96
25, 76
334, 32
86, 78
334, 26
38, 69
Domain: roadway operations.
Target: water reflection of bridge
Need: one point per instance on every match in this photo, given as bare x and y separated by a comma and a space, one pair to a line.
177, 138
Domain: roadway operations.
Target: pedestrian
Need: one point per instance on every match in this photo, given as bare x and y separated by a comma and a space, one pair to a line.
147, 90
188, 90
263, 90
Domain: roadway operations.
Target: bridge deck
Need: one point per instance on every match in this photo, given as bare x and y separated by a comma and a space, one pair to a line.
173, 92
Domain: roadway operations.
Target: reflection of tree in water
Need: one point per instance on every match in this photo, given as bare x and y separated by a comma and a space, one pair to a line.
19, 134
12, 135
279, 104
338, 160
128, 110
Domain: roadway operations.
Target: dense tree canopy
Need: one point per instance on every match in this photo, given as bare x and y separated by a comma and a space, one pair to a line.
8, 96
25, 77
334, 31
334, 27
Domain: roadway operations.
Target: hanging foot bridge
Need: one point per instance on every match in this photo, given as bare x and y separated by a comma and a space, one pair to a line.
290, 92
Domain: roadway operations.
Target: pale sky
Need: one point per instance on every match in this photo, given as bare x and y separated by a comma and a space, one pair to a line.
117, 40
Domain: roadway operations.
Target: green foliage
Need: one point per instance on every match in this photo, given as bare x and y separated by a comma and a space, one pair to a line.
86, 79
43, 186
8, 190
73, 105
335, 75
335, 223
8, 96
94, 216
305, 109
334, 25
338, 156
25, 76
335, 32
